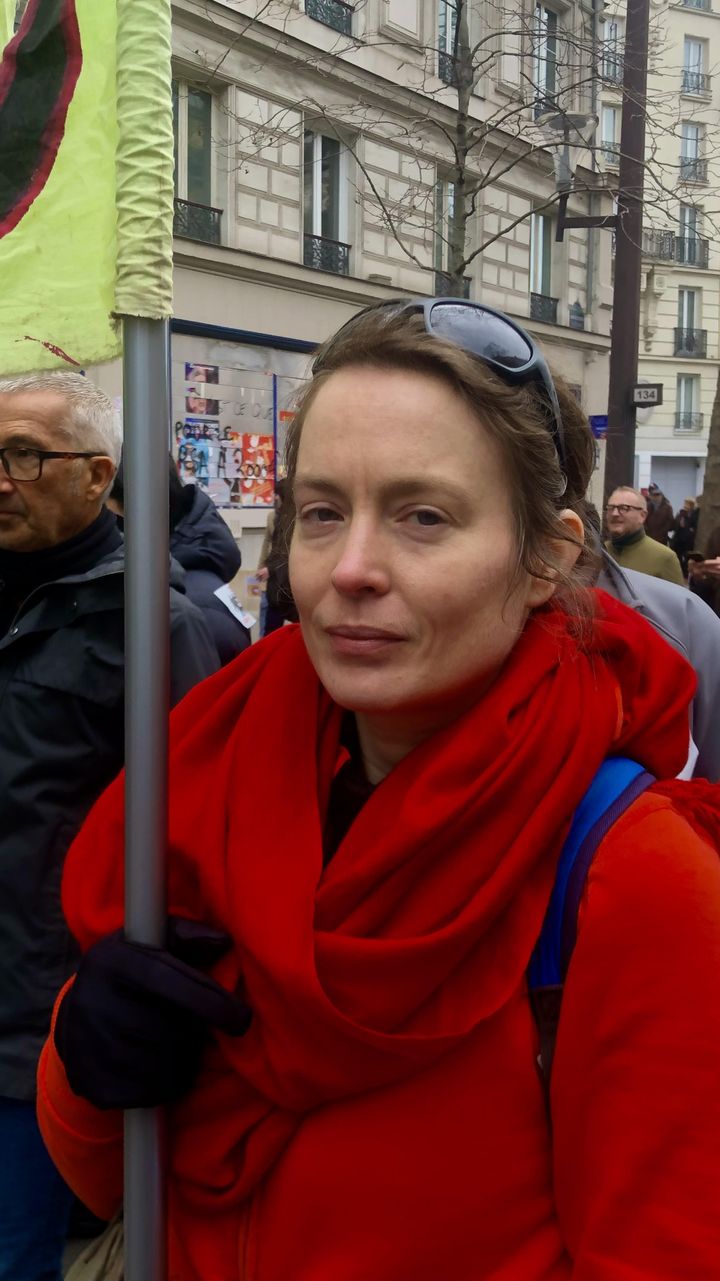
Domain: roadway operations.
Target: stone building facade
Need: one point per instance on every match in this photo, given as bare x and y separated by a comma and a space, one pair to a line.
680, 318
314, 174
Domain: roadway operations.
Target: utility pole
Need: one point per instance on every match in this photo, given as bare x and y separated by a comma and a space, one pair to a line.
624, 347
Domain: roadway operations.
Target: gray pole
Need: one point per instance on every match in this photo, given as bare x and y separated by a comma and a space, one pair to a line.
620, 456
146, 404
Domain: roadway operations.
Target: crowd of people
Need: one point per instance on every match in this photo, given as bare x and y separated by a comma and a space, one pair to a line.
439, 992
643, 533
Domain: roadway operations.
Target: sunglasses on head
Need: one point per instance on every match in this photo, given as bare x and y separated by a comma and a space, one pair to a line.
489, 335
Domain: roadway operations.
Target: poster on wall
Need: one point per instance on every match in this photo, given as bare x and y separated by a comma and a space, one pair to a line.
225, 433
232, 406
257, 486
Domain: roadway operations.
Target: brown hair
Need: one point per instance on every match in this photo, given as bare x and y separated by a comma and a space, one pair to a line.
516, 417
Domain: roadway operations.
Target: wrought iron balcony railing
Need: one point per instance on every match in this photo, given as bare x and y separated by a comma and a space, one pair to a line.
447, 286
610, 153
695, 82
692, 251
197, 222
576, 318
333, 13
693, 169
691, 342
326, 255
543, 103
688, 422
446, 67
659, 244
612, 66
543, 308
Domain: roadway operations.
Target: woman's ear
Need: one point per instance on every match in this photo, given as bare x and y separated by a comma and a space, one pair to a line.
565, 554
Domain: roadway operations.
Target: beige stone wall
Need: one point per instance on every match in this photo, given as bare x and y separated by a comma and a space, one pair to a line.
273, 72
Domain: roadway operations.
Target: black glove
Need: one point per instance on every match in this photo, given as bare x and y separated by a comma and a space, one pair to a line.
132, 1028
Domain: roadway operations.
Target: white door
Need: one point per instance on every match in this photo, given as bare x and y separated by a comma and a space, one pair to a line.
678, 478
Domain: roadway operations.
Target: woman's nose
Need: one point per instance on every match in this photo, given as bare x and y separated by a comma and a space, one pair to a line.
362, 564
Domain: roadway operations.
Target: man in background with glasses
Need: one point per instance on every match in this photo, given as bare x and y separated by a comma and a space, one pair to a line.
61, 743
628, 543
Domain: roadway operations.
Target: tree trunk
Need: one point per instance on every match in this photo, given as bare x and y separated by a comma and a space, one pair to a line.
710, 507
464, 79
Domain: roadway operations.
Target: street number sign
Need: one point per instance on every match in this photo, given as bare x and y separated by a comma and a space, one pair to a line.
647, 394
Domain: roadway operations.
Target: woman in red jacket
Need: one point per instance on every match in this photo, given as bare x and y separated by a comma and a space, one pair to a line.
368, 810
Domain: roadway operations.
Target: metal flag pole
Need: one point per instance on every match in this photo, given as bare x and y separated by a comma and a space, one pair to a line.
143, 298
146, 402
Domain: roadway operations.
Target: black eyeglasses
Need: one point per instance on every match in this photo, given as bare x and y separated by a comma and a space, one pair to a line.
623, 508
25, 464
493, 338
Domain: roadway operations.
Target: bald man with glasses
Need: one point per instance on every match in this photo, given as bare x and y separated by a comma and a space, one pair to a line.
629, 544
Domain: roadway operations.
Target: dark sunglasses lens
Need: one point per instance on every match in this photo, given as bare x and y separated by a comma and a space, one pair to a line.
481, 333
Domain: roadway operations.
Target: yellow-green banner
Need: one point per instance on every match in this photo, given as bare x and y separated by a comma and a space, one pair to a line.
7, 21
74, 194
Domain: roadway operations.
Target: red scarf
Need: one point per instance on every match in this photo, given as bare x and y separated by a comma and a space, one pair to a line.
423, 923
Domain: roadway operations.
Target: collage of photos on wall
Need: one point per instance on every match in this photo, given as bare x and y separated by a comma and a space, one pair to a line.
225, 436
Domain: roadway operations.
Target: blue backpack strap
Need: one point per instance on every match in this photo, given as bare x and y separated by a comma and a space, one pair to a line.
616, 785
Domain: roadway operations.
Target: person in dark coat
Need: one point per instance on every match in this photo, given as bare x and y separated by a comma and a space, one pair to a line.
62, 685
201, 542
705, 574
683, 532
660, 515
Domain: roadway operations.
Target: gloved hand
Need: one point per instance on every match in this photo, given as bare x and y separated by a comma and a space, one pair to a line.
131, 1029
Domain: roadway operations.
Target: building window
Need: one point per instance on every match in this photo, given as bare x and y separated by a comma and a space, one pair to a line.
192, 119
688, 416
689, 220
195, 214
444, 212
545, 58
541, 241
612, 51
690, 339
325, 204
690, 248
610, 135
693, 168
695, 79
688, 308
447, 36
542, 305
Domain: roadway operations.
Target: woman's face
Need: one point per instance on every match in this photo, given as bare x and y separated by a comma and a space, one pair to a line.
404, 547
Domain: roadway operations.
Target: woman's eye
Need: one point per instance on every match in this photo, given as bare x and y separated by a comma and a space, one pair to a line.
427, 518
320, 515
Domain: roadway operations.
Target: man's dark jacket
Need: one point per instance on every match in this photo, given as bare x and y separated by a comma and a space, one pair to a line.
61, 743
202, 543
660, 520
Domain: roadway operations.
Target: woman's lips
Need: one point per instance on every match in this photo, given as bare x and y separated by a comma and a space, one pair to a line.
361, 640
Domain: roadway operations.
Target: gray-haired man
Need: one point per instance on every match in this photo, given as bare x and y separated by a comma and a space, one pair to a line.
61, 742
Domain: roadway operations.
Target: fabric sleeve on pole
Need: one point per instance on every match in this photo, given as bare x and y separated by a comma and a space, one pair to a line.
144, 160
